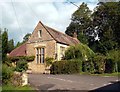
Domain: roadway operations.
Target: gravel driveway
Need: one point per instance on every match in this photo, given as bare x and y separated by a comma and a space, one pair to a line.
73, 82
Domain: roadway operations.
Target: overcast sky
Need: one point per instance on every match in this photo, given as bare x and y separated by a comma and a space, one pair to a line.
21, 16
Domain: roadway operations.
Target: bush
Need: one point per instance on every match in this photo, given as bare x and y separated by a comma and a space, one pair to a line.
118, 66
16, 79
7, 73
66, 67
88, 66
109, 66
48, 61
113, 58
99, 63
21, 66
79, 51
27, 58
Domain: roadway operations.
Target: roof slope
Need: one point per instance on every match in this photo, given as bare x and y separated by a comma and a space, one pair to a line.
19, 51
61, 37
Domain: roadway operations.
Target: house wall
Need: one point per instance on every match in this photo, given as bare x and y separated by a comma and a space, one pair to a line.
58, 49
34, 42
49, 52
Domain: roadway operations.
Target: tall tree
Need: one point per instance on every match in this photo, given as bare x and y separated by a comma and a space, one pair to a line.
80, 21
26, 37
4, 44
106, 24
10, 45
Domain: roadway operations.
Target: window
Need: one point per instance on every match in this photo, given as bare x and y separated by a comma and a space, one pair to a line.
40, 33
40, 55
62, 51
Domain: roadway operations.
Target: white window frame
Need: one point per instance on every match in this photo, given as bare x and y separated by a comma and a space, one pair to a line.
40, 33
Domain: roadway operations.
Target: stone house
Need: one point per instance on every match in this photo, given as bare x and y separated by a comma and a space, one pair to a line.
44, 42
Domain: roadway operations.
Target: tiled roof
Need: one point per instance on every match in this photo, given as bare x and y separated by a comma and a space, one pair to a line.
61, 37
19, 51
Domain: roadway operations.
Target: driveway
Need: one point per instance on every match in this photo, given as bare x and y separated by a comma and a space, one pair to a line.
73, 82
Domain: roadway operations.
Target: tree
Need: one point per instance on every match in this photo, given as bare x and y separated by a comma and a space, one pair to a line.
26, 37
80, 21
105, 25
80, 51
10, 45
4, 44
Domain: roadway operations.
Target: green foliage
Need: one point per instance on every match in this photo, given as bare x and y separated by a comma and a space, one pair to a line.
4, 44
26, 58
113, 57
7, 73
48, 61
66, 67
21, 66
26, 37
10, 45
16, 79
88, 66
11, 88
79, 51
109, 66
99, 63
79, 22
29, 58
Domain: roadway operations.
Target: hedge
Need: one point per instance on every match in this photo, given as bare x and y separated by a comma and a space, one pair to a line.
21, 66
7, 73
66, 67
27, 58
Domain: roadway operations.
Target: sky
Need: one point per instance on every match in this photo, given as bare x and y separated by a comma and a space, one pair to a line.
21, 16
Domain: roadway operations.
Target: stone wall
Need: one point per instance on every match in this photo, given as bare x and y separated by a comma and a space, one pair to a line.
49, 52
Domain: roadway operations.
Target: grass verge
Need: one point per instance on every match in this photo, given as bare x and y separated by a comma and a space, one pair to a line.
105, 74
10, 88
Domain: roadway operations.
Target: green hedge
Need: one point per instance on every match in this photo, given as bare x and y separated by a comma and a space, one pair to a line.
66, 67
80, 51
21, 66
7, 73
27, 58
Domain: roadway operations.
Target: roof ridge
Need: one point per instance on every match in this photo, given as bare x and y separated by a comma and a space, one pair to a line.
67, 39
59, 31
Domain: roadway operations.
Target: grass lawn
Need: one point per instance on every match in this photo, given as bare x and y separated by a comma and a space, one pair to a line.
10, 88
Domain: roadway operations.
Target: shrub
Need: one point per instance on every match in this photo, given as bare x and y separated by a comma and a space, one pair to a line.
88, 66
48, 61
27, 58
99, 63
66, 67
109, 66
113, 57
118, 66
7, 73
16, 79
79, 51
30, 58
21, 66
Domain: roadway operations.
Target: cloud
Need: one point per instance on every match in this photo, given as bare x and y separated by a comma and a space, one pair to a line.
21, 18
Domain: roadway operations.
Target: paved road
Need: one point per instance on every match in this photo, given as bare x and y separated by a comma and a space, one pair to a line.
73, 82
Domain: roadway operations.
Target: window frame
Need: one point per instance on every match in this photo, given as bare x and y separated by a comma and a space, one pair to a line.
39, 33
40, 55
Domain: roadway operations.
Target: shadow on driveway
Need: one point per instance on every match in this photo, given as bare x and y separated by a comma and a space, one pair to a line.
45, 86
114, 87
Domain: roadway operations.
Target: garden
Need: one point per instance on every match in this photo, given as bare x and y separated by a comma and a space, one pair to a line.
81, 59
13, 74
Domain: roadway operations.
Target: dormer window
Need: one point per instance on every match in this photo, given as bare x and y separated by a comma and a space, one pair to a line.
40, 33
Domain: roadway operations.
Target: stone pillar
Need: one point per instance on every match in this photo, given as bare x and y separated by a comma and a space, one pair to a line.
24, 79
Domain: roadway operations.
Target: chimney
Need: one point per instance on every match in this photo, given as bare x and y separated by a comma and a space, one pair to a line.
75, 35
